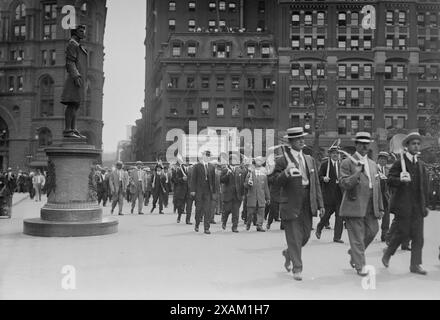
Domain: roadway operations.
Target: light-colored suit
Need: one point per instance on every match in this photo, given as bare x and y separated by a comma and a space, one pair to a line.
118, 188
361, 206
139, 183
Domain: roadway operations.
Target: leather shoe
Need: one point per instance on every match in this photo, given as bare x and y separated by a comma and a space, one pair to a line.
224, 226
189, 223
196, 228
141, 213
362, 272
318, 234
338, 241
207, 232
259, 229
297, 276
248, 228
161, 212
235, 231
386, 258
286, 262
418, 270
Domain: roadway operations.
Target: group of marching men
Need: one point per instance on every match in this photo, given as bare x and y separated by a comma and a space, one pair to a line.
359, 191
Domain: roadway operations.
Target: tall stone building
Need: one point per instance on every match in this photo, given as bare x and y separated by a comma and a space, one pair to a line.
251, 63
32, 75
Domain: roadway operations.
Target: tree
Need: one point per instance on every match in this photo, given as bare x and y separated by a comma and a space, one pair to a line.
314, 100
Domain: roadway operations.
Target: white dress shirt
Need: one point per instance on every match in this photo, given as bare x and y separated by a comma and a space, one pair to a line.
299, 157
412, 158
364, 161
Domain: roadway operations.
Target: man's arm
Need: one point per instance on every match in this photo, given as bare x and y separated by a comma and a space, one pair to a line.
193, 186
319, 198
394, 175
349, 179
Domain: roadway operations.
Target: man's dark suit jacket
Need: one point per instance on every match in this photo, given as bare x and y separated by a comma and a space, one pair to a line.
402, 196
330, 191
198, 180
233, 184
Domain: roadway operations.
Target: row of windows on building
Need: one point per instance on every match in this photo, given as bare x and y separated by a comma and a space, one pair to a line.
48, 57
222, 82
214, 25
49, 22
224, 50
230, 6
222, 109
363, 97
353, 18
363, 71
46, 95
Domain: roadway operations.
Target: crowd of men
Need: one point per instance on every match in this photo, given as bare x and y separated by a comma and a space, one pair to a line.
360, 192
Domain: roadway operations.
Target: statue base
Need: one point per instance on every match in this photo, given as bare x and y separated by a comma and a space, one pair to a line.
72, 209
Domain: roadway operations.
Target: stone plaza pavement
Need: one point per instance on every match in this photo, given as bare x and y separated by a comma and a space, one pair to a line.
154, 258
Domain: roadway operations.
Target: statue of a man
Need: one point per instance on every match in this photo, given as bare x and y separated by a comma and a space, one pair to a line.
75, 87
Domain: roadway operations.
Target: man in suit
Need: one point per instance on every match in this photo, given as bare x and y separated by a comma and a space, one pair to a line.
158, 187
329, 177
382, 161
180, 181
202, 189
409, 203
189, 198
258, 194
148, 183
232, 179
118, 185
300, 197
101, 186
139, 182
362, 203
216, 193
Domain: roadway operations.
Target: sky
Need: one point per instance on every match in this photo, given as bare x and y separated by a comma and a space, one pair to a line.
124, 68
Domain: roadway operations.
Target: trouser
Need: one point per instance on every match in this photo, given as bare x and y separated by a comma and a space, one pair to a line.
180, 206
297, 233
274, 212
408, 228
385, 224
231, 207
361, 232
37, 189
139, 196
166, 197
325, 220
255, 212
214, 208
118, 198
32, 193
203, 209
158, 196
392, 230
147, 198
244, 212
189, 204
102, 196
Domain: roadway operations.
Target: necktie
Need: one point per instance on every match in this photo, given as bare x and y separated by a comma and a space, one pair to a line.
302, 167
206, 171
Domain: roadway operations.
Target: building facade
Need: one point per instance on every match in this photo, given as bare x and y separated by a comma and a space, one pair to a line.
313, 64
32, 75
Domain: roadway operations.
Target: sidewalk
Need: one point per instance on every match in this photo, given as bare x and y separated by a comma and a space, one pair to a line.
19, 197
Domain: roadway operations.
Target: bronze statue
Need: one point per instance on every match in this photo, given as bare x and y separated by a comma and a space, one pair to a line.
75, 87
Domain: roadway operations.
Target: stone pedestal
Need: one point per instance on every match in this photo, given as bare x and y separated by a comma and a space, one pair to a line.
72, 209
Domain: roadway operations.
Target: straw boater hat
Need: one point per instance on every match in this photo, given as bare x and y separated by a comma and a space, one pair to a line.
363, 137
139, 163
260, 160
410, 137
383, 154
294, 133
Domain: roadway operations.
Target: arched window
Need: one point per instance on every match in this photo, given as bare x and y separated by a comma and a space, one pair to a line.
44, 137
4, 133
16, 111
46, 96
19, 23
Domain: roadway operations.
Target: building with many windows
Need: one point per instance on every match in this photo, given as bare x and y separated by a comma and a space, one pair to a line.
212, 60
32, 75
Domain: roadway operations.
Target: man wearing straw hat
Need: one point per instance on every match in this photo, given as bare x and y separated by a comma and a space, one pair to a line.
362, 203
300, 198
180, 180
139, 181
409, 179
329, 176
